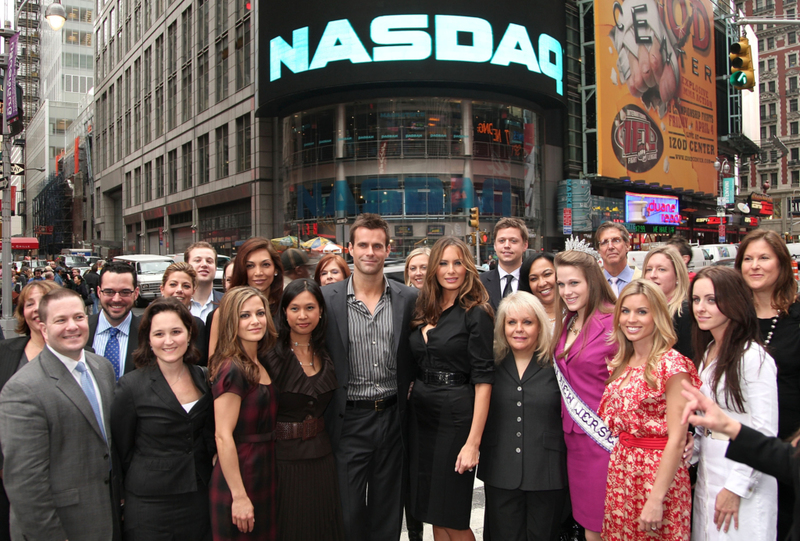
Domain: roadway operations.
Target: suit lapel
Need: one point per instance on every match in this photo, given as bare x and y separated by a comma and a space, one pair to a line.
399, 301
588, 336
161, 389
339, 310
133, 343
67, 385
533, 368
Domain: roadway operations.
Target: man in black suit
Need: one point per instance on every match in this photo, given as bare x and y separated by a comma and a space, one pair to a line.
510, 243
113, 333
367, 338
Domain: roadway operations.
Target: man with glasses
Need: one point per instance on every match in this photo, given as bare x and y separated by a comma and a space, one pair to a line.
113, 333
510, 243
613, 243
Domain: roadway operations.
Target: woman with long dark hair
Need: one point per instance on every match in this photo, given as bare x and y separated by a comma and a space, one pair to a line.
162, 426
732, 501
582, 353
452, 345
245, 409
257, 265
308, 490
648, 494
766, 266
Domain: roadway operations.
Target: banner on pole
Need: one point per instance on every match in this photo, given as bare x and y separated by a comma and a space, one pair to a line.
10, 90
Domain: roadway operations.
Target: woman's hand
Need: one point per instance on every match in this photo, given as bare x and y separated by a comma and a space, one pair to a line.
651, 516
726, 507
713, 417
468, 458
243, 514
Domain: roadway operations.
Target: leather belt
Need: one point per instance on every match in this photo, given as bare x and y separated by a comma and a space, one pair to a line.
439, 377
374, 405
304, 430
255, 438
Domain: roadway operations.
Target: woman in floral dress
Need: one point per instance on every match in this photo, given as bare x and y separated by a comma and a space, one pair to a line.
648, 494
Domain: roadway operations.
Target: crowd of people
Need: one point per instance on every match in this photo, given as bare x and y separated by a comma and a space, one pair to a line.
321, 403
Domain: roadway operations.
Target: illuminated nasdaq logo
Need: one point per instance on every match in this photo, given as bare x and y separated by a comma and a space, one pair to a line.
404, 38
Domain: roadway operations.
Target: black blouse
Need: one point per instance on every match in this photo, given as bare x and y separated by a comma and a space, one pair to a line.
785, 349
461, 342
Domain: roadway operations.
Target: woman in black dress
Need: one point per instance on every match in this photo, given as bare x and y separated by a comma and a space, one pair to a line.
162, 426
766, 267
243, 483
308, 490
452, 345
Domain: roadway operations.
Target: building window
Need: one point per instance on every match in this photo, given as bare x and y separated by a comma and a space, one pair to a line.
790, 13
743, 181
764, 179
187, 92
773, 156
792, 81
172, 101
119, 138
187, 166
202, 81
127, 190
772, 110
760, 66
158, 117
763, 133
762, 109
243, 138
793, 106
127, 133
172, 171
148, 181
791, 38
770, 43
222, 151
186, 33
146, 116
795, 179
160, 176
762, 88
760, 45
792, 60
795, 153
771, 86
202, 160
137, 126
773, 131
137, 186
773, 180
202, 24
793, 128
172, 48
222, 17
243, 54
771, 64
222, 66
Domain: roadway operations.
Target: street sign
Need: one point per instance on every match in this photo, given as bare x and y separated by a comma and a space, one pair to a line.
17, 169
341, 221
3, 183
722, 232
567, 221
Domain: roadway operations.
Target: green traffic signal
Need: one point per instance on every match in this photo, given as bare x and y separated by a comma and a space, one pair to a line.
738, 79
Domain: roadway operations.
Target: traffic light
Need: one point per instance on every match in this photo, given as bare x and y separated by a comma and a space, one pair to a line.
473, 217
742, 74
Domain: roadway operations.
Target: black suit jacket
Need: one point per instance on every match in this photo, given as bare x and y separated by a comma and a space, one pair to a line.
491, 281
773, 457
541, 464
133, 340
338, 343
163, 449
10, 354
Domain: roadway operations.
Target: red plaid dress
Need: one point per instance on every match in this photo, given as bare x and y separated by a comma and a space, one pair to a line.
257, 417
642, 412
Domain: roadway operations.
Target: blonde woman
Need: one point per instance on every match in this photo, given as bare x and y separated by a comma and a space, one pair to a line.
416, 267
664, 267
242, 491
523, 456
648, 493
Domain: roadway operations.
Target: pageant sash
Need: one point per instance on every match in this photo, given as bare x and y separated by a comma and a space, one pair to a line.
583, 415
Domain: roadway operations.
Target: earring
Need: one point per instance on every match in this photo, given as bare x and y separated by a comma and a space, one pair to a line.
276, 274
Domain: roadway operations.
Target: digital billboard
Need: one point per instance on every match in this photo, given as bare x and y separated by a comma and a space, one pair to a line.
453, 47
656, 91
652, 209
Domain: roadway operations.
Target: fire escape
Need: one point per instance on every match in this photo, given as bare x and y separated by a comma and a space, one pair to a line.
52, 215
30, 19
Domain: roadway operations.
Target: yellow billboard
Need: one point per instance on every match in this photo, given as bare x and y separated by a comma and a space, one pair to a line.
656, 91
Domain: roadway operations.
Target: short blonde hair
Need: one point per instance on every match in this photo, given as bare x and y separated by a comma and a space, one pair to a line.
525, 302
682, 290
424, 250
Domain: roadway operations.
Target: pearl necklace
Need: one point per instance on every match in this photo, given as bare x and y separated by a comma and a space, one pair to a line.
772, 329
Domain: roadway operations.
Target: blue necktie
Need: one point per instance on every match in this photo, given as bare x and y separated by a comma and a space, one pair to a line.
112, 350
88, 389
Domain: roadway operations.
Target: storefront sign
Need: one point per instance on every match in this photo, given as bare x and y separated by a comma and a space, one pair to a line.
750, 221
795, 202
656, 91
501, 46
760, 204
435, 230
728, 191
652, 209
712, 220
649, 228
403, 231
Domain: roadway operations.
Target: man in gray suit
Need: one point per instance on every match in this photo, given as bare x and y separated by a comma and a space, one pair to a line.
55, 433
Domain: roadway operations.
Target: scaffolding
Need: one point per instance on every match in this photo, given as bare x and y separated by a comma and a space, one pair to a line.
52, 215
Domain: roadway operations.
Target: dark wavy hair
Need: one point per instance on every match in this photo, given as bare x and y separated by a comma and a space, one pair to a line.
472, 293
239, 274
144, 356
734, 299
525, 270
296, 287
785, 292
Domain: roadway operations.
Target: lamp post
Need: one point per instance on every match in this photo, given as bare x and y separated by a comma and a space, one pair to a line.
56, 16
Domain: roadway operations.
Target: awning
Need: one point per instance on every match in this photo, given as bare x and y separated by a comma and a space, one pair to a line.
23, 243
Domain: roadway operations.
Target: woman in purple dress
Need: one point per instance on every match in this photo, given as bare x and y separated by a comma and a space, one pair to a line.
582, 353
242, 490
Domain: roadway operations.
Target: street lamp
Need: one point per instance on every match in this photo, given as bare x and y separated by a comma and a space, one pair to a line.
56, 17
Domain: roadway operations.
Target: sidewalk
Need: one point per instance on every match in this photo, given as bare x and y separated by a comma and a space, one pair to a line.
476, 519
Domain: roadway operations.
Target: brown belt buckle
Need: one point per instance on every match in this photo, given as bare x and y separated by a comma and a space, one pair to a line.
379, 405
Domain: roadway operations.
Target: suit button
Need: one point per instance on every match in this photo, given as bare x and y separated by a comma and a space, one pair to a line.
105, 481
519, 419
519, 388
519, 434
519, 450
519, 404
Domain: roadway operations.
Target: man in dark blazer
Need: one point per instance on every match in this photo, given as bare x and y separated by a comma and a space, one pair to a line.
510, 243
55, 433
117, 293
367, 338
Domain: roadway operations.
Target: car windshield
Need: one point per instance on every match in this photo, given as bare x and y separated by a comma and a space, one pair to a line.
153, 267
75, 261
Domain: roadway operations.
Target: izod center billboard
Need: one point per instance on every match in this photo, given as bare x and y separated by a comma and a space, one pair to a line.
656, 91
360, 49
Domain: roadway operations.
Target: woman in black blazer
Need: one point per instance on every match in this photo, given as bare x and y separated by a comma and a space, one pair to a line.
523, 455
15, 353
772, 456
162, 427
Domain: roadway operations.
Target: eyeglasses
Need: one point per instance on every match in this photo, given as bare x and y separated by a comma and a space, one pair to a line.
124, 293
616, 241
